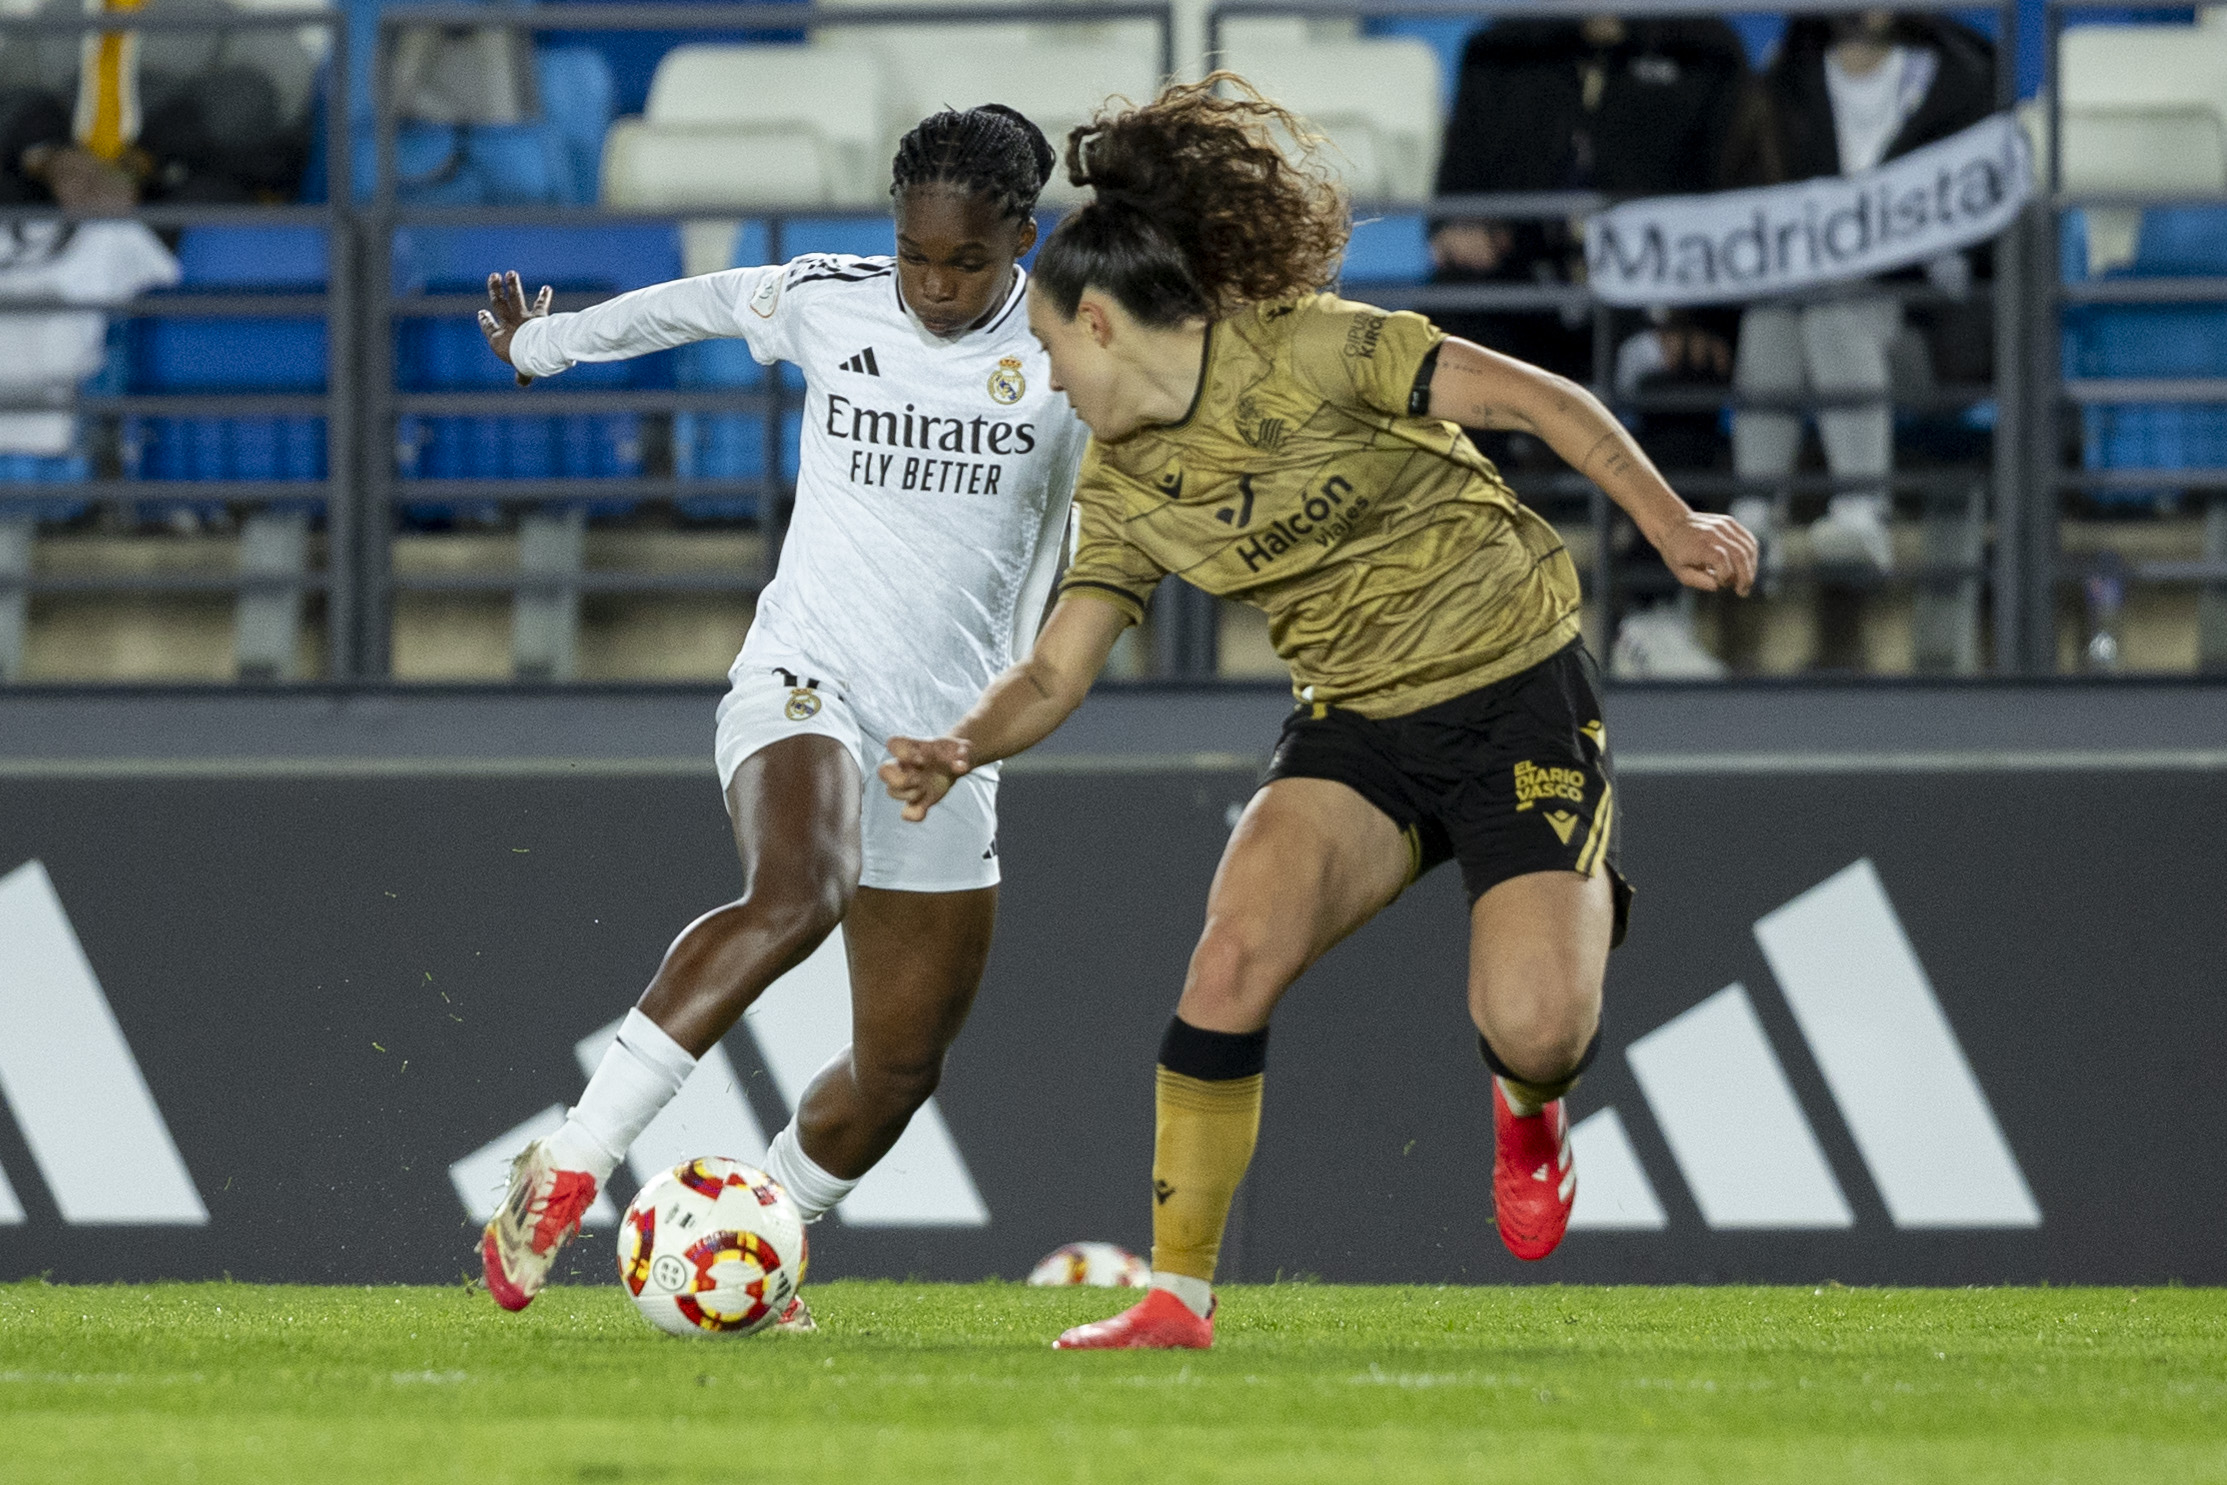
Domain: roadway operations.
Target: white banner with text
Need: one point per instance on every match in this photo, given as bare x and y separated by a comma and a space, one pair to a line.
1731, 246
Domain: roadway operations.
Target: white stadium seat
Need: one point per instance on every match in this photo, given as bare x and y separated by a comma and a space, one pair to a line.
2137, 66
1058, 85
2165, 150
751, 126
2145, 111
1376, 99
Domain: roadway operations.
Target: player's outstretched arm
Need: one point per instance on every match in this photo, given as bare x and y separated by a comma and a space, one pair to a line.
538, 343
1019, 710
1478, 388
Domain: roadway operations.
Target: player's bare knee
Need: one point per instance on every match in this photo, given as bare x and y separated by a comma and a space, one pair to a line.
798, 911
1234, 978
1542, 1038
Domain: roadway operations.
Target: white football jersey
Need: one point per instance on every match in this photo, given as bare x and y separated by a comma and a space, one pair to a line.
934, 485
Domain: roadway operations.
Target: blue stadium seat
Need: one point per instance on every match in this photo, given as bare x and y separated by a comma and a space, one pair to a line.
552, 162
868, 237
1392, 247
2151, 340
632, 56
41, 469
449, 355
576, 99
232, 355
726, 446
2181, 241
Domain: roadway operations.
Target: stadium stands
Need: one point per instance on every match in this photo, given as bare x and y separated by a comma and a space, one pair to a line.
735, 128
1376, 98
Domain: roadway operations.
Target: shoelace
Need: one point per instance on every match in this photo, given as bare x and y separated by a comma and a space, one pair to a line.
570, 1193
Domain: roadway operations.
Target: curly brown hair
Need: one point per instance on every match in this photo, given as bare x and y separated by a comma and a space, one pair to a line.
1198, 207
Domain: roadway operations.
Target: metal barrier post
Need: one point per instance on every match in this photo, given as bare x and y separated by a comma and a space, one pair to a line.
343, 475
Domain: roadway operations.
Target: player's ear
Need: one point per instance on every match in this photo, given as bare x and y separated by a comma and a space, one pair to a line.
1025, 238
1096, 315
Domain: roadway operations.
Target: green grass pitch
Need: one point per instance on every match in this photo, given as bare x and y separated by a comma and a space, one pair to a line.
907, 1382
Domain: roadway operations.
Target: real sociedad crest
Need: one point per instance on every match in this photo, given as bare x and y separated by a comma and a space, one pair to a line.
1007, 385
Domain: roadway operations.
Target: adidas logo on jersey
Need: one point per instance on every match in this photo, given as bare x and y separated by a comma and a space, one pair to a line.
862, 362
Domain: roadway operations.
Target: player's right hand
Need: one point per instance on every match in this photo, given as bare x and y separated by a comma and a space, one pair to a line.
920, 771
507, 310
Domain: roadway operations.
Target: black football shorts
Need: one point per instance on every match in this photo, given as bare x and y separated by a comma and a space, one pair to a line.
1507, 779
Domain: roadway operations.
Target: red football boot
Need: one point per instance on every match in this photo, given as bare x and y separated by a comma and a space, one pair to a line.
1160, 1322
1534, 1183
540, 1214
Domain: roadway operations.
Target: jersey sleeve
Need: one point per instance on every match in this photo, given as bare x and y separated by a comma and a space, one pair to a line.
1356, 355
1106, 564
743, 303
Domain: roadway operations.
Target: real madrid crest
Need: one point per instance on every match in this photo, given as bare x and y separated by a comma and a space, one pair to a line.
1007, 385
803, 705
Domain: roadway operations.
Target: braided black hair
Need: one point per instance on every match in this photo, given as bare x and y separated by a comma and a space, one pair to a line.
992, 150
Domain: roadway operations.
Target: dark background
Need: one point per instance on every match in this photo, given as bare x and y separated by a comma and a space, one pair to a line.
256, 935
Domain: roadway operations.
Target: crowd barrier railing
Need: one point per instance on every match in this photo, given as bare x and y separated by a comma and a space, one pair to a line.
1968, 511
2002, 526
2099, 583
547, 591
276, 569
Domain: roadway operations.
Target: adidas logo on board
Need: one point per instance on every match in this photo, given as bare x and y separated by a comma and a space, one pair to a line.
1890, 1060
71, 1081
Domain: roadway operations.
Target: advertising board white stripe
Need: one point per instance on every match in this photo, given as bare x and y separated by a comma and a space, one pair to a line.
69, 1076
800, 1024
1731, 1120
11, 1210
1893, 1063
1613, 1192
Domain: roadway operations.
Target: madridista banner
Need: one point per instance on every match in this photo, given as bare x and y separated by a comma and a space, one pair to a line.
1734, 246
1880, 1027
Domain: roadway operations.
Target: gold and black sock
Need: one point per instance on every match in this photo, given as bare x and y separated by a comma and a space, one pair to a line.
1207, 1097
1526, 1097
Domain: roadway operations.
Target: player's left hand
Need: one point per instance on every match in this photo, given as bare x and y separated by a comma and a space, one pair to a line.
506, 310
1709, 552
920, 771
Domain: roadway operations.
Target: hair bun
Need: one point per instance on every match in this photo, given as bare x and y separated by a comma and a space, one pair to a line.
1039, 148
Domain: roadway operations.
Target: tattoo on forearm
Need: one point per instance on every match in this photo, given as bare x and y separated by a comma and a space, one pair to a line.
1619, 459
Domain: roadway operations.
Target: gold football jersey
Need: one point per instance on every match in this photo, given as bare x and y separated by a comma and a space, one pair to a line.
1395, 566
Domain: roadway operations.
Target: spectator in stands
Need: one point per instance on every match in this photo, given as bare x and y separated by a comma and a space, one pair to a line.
1629, 108
175, 116
1844, 94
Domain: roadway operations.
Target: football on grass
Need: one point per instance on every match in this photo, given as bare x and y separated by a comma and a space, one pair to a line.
1101, 1265
713, 1247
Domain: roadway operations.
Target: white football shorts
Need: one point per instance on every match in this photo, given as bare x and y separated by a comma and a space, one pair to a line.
953, 850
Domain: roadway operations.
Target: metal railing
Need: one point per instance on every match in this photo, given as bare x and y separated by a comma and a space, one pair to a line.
772, 403
1950, 573
2006, 544
273, 576
2105, 578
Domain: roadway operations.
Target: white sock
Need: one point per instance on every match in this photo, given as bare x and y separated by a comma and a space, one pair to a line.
809, 1185
1519, 1104
1196, 1294
637, 1077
